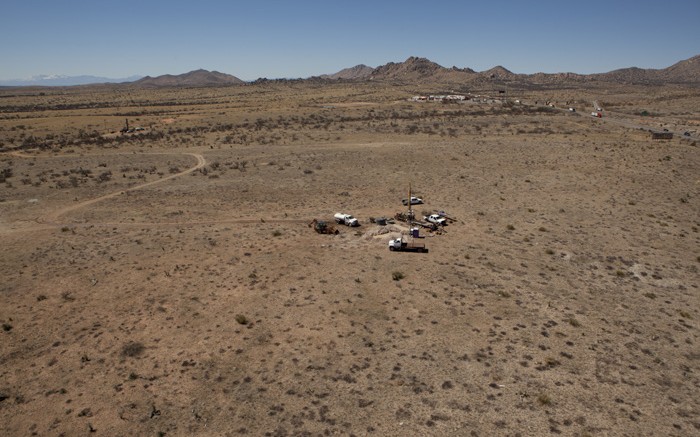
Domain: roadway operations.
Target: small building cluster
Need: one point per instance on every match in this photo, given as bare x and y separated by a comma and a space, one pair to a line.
439, 98
459, 98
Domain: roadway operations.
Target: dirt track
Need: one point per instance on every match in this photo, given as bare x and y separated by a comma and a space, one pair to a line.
199, 302
52, 218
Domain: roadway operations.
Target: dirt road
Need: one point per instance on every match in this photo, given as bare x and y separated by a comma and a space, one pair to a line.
51, 219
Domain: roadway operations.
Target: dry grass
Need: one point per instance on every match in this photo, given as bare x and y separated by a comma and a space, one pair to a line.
201, 302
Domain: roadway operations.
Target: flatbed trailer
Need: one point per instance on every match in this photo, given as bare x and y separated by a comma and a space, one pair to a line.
411, 245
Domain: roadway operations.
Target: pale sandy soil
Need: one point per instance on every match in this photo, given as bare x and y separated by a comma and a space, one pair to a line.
184, 294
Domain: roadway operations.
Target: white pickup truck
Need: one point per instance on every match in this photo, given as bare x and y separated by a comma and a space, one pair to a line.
435, 219
346, 219
414, 201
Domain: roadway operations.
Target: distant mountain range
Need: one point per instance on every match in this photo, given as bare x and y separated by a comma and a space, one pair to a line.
56, 80
687, 71
422, 70
412, 70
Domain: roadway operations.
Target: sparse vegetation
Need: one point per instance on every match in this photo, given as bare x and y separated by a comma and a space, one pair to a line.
184, 281
397, 276
133, 349
573, 322
544, 399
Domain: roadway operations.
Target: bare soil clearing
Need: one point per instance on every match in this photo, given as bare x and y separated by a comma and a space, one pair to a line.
167, 283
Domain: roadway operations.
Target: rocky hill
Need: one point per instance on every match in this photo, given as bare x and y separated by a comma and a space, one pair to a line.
412, 68
684, 71
360, 71
422, 70
193, 79
499, 72
687, 71
632, 75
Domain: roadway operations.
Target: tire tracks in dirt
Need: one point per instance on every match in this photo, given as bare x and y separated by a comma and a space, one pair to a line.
53, 217
51, 220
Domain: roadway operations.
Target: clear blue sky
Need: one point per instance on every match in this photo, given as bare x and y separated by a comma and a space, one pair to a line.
275, 39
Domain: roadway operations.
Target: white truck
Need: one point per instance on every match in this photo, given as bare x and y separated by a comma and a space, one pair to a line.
346, 219
435, 219
399, 244
414, 201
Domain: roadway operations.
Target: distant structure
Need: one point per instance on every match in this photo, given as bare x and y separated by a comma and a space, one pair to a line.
440, 98
662, 135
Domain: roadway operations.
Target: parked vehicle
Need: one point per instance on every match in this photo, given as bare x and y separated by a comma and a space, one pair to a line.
446, 216
346, 219
399, 244
414, 201
381, 221
435, 219
596, 114
323, 227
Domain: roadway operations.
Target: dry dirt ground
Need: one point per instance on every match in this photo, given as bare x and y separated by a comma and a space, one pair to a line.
166, 282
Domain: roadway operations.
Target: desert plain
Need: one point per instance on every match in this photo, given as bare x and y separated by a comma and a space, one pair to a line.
166, 282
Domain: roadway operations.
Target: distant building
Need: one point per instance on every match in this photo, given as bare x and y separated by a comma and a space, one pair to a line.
439, 98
